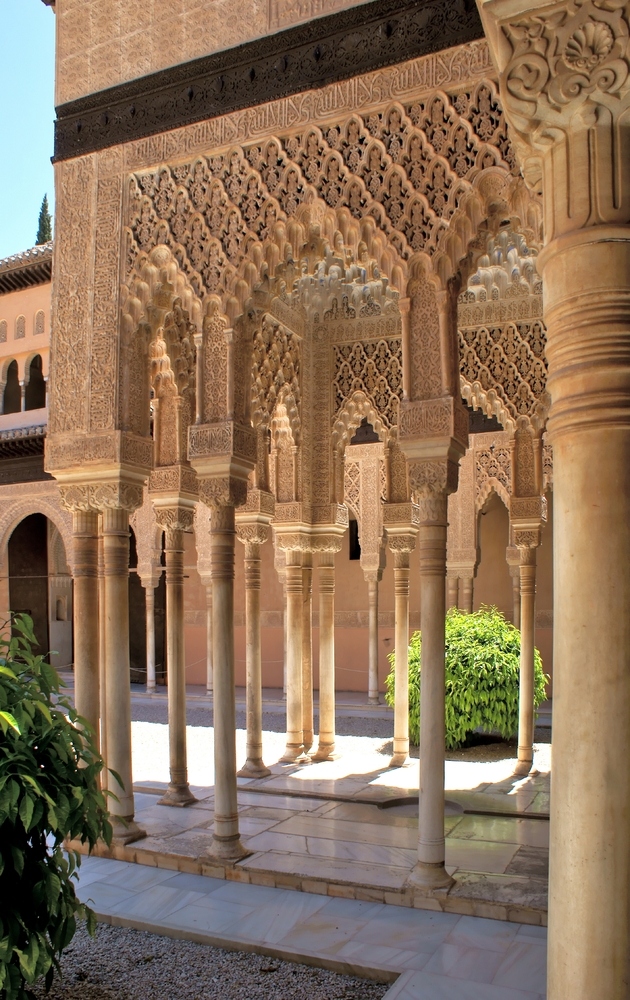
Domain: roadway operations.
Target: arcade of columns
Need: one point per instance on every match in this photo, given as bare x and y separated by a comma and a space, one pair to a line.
277, 292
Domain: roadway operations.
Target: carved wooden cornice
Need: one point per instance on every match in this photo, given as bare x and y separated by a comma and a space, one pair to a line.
323, 51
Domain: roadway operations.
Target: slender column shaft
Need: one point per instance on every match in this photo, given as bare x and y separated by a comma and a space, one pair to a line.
118, 692
516, 598
326, 745
226, 837
373, 641
294, 617
467, 594
430, 869
101, 652
307, 651
86, 633
209, 667
150, 612
254, 766
178, 793
452, 587
284, 638
401, 645
526, 672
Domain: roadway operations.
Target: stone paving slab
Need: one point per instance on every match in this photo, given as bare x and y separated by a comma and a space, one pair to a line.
427, 956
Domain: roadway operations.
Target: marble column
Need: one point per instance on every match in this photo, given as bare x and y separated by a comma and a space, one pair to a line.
571, 125
209, 667
226, 841
307, 650
429, 871
326, 564
101, 650
401, 546
526, 672
252, 537
115, 524
294, 617
513, 559
452, 591
86, 619
372, 582
149, 597
178, 792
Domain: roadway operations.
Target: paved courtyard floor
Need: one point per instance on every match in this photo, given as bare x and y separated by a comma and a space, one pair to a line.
427, 956
348, 828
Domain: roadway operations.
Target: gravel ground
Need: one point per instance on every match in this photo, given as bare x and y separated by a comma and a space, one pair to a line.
125, 964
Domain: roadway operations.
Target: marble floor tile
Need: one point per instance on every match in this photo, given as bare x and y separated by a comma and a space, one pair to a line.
321, 934
524, 967
295, 803
427, 986
195, 883
530, 861
102, 896
504, 830
418, 930
397, 857
340, 829
462, 962
478, 932
479, 855
139, 877
363, 955
359, 812
95, 869
530, 931
346, 872
272, 922
258, 895
158, 903
221, 917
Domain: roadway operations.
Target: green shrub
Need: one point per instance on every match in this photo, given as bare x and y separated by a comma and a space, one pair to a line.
482, 674
49, 790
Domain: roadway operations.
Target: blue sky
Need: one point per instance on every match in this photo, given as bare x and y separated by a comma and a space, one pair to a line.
27, 49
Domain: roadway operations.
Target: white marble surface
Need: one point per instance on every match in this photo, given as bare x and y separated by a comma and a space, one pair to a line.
439, 956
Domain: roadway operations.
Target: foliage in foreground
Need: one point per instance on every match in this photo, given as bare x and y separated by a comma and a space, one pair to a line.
49, 790
482, 676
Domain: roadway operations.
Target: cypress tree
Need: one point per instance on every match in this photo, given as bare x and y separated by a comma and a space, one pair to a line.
44, 229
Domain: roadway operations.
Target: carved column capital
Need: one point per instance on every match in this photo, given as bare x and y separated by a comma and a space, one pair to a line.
254, 533
101, 495
564, 80
176, 517
223, 491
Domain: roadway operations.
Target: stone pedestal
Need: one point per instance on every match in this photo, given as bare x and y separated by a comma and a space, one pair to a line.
86, 616
115, 524
178, 792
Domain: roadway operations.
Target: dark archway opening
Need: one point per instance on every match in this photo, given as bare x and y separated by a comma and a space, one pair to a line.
28, 574
35, 392
12, 401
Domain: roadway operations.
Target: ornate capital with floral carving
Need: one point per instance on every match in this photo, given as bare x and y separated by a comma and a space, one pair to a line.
101, 495
527, 516
177, 517
223, 491
564, 78
252, 533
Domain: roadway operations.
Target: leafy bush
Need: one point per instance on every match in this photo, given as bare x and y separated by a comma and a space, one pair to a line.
482, 675
49, 790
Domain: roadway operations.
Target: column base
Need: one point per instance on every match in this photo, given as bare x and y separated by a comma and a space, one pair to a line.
151, 690
308, 742
253, 769
430, 877
209, 692
374, 699
325, 751
228, 849
523, 767
125, 831
177, 795
399, 760
293, 754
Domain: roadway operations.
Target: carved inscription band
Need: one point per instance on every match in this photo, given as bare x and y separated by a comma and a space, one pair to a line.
328, 49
